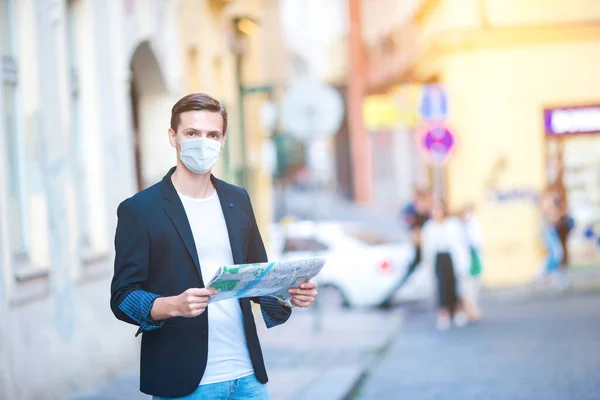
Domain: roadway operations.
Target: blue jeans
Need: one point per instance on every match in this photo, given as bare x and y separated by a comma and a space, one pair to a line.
246, 388
554, 248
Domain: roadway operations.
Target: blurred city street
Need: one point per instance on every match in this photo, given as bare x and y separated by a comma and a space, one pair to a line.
543, 346
419, 162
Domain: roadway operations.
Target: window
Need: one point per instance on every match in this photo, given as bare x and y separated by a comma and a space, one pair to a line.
9, 80
302, 244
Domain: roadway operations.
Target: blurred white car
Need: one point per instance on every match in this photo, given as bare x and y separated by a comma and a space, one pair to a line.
362, 268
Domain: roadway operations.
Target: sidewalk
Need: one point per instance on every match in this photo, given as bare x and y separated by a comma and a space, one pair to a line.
326, 365
579, 280
302, 363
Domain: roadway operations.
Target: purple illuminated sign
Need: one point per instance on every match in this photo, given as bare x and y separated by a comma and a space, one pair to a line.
438, 143
572, 120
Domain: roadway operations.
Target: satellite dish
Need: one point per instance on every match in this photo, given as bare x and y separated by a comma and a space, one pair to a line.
311, 110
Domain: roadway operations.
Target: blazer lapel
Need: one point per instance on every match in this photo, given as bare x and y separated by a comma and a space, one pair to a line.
174, 209
230, 211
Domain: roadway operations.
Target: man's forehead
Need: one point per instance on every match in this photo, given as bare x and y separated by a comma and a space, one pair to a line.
201, 120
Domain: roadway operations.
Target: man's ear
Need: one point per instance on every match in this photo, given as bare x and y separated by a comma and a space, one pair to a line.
224, 140
172, 137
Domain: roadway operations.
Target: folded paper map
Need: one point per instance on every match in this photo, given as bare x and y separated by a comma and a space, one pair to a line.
264, 279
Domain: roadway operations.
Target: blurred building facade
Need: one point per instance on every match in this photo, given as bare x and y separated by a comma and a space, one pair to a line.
87, 88
501, 63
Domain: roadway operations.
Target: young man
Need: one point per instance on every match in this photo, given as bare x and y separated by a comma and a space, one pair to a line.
170, 240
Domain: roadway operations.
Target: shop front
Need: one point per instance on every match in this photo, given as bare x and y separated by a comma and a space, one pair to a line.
573, 165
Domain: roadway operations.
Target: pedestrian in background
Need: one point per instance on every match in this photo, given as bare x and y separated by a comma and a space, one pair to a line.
564, 224
415, 215
550, 268
471, 284
446, 251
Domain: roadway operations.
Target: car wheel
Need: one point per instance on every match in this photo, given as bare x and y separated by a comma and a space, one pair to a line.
331, 298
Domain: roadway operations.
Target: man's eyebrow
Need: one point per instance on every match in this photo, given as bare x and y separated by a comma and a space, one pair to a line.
215, 131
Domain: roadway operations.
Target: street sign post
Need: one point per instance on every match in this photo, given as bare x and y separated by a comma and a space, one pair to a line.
437, 142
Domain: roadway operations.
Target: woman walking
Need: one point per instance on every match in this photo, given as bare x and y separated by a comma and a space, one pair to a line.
445, 249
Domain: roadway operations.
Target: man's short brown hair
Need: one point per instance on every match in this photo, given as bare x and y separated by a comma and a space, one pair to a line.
196, 102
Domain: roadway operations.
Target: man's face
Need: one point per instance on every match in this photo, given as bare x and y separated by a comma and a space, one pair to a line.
197, 124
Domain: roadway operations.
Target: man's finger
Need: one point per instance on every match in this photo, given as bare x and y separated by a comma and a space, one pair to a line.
201, 292
199, 303
308, 285
303, 298
301, 304
197, 312
199, 299
303, 292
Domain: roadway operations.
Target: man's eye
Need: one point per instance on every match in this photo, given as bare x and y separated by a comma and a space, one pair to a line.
191, 133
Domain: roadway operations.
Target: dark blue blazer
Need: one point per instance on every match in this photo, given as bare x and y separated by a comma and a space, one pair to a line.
156, 256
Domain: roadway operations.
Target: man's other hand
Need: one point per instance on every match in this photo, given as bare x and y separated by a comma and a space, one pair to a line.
305, 295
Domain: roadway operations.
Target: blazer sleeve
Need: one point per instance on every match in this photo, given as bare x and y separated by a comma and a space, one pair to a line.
129, 301
274, 313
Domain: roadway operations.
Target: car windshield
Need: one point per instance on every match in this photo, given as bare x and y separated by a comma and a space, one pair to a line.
369, 237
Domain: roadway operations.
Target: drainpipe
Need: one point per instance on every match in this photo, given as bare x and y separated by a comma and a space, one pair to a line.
360, 143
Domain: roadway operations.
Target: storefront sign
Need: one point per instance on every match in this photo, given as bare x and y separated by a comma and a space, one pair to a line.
572, 120
511, 195
397, 109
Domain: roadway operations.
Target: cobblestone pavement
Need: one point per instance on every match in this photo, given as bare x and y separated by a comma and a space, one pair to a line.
545, 346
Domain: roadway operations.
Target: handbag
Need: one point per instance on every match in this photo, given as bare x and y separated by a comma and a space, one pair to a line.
476, 267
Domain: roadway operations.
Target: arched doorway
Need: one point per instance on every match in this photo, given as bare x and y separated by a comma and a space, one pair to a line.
150, 108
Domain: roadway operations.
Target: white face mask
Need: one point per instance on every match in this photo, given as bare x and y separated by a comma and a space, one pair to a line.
199, 155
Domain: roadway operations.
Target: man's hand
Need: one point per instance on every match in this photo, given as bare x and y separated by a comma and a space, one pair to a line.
193, 302
189, 304
305, 295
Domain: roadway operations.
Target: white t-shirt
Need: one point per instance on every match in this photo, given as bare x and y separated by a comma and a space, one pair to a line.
228, 356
